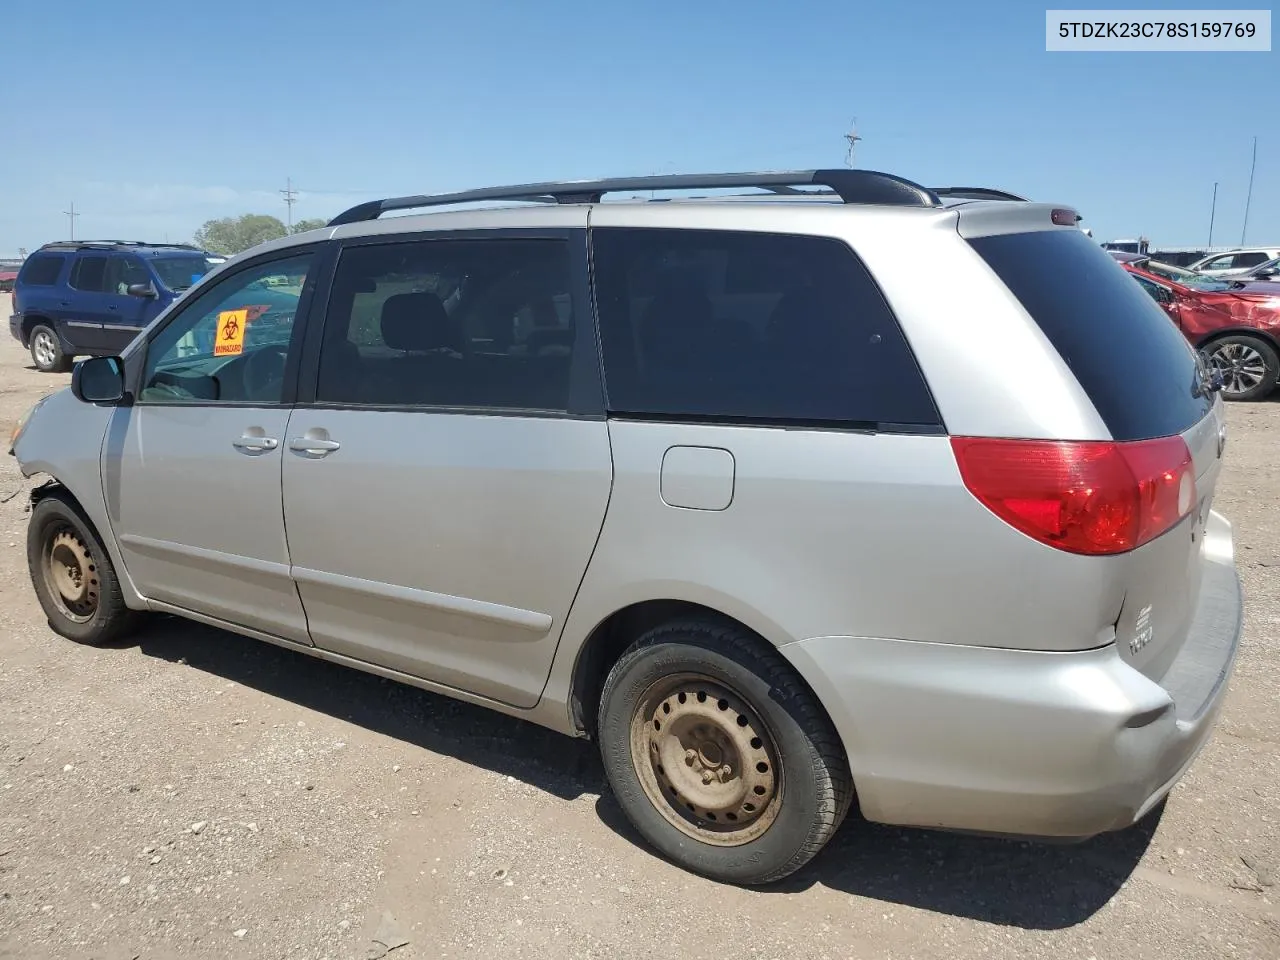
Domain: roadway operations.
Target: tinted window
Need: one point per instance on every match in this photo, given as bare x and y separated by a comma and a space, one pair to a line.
90, 274
1130, 359
1156, 291
450, 323
124, 272
179, 273
1249, 259
230, 343
42, 269
750, 326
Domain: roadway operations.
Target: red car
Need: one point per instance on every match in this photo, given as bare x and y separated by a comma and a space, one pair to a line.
1236, 325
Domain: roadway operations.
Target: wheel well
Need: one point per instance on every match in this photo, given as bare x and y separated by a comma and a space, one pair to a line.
30, 322
610, 639
1240, 332
49, 488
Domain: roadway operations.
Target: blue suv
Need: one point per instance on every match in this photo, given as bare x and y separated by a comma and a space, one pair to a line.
92, 298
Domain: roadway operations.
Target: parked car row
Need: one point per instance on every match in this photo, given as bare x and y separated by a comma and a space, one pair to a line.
1234, 321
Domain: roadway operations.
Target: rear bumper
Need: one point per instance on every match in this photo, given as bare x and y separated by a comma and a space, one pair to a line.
15, 327
1065, 745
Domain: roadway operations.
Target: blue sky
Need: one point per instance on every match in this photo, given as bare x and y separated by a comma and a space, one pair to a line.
156, 117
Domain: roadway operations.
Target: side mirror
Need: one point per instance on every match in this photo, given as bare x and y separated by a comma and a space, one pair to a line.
142, 290
98, 380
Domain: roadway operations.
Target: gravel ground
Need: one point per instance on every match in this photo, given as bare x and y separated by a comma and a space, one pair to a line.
195, 794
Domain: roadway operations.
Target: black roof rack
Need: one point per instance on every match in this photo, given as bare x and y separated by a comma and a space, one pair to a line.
103, 244
977, 193
852, 186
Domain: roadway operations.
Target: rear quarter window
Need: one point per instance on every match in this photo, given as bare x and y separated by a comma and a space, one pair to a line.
41, 270
1126, 353
751, 327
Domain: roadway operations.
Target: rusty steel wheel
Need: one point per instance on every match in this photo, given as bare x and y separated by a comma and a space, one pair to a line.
719, 754
706, 760
71, 575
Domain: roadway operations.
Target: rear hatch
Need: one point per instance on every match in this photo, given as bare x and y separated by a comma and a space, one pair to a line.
1146, 382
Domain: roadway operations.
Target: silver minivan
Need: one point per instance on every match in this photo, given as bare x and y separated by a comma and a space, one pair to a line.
836, 490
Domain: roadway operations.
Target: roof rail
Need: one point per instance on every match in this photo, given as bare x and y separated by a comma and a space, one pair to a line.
977, 193
852, 186
81, 244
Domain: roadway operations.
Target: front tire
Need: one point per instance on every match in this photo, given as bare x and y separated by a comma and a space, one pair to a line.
73, 576
719, 755
1249, 366
46, 351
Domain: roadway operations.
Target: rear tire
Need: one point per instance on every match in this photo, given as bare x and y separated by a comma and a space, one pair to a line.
720, 755
73, 576
1249, 366
46, 350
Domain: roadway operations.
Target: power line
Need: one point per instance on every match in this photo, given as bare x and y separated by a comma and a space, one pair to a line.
1213, 208
71, 218
1249, 196
290, 198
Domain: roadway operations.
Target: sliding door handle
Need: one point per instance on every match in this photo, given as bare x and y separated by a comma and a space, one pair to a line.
313, 445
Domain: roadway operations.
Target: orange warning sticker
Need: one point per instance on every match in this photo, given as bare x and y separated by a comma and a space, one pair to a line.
229, 339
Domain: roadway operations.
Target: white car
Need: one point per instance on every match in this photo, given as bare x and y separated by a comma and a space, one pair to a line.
1266, 271
1235, 263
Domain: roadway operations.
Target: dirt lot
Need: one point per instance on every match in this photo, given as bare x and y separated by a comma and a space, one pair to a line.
196, 794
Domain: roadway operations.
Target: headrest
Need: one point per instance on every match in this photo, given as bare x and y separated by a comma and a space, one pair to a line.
418, 321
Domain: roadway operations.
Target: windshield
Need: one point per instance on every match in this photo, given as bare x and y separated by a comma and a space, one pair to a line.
179, 273
1187, 278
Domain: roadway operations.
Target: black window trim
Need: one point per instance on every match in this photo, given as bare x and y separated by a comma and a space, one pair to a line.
937, 428
586, 389
323, 254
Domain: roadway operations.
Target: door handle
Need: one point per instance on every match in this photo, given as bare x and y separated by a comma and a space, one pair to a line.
313, 445
255, 443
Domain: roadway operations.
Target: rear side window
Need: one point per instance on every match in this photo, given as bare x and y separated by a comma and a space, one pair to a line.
1249, 259
450, 323
90, 274
1131, 360
41, 270
722, 325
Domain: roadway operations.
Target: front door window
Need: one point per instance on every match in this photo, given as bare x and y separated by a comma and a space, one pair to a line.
230, 344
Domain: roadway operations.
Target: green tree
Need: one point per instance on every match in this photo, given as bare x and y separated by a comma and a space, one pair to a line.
230, 235
314, 223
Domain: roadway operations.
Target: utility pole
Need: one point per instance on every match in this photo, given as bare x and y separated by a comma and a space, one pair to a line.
852, 139
1212, 210
290, 198
1249, 195
71, 218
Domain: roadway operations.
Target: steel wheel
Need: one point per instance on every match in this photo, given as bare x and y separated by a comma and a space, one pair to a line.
71, 575
1242, 367
705, 760
43, 348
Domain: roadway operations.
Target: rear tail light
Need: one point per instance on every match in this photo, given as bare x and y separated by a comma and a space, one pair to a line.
1091, 497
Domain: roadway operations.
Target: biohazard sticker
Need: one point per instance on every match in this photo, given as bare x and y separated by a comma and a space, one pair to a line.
229, 339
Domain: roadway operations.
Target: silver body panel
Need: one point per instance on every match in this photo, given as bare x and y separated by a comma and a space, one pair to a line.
199, 520
382, 534
979, 679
